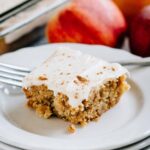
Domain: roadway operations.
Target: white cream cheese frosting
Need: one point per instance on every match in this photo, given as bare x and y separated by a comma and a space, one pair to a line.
73, 73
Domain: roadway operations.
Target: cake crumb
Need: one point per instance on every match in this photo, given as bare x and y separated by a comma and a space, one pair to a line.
71, 128
83, 124
76, 96
42, 77
82, 79
98, 73
62, 83
75, 82
113, 69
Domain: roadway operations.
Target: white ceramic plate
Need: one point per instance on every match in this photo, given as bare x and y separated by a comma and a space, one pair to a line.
126, 123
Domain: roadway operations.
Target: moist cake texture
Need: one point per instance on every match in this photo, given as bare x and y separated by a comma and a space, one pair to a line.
74, 86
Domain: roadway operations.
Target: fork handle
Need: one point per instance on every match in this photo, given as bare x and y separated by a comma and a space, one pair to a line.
139, 63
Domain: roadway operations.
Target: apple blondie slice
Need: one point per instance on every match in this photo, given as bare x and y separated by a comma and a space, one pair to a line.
74, 86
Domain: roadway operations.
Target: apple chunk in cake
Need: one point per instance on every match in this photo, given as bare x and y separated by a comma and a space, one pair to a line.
74, 86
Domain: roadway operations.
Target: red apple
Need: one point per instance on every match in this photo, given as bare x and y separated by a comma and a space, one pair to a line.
140, 33
88, 21
131, 7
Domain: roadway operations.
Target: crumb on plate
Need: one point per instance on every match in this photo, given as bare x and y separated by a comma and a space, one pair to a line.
71, 128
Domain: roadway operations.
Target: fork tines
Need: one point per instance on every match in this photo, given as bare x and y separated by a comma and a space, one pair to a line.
12, 75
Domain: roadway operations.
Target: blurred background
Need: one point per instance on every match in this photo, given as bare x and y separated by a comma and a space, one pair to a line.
123, 24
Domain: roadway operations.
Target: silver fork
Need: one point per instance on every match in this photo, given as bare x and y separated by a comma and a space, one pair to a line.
13, 75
